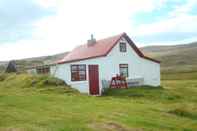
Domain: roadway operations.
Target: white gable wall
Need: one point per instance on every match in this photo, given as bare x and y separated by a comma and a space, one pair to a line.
138, 67
109, 67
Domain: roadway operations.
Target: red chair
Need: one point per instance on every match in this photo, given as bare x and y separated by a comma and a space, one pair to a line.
118, 82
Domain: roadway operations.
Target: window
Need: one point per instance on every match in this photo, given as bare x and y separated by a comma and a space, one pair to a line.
123, 47
124, 70
43, 70
78, 72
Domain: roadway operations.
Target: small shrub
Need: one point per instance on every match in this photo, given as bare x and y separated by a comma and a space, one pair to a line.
3, 77
179, 112
169, 96
51, 81
185, 129
105, 90
40, 81
183, 113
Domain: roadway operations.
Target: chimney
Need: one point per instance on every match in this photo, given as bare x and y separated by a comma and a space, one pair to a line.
92, 41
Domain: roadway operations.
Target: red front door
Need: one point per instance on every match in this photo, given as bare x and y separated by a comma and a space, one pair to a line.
93, 79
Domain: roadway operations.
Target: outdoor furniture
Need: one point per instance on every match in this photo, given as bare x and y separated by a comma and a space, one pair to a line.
118, 82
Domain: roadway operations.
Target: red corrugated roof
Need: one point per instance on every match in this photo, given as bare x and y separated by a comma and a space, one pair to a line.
100, 48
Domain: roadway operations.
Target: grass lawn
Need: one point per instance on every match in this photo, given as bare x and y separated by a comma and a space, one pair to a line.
29, 103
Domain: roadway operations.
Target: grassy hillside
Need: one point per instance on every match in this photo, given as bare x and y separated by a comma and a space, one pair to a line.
2, 68
176, 58
2, 65
35, 103
36, 61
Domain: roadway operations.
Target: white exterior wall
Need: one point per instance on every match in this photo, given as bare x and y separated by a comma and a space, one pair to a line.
62, 71
109, 66
150, 72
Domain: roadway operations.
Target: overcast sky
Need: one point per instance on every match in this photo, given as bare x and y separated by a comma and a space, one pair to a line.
30, 28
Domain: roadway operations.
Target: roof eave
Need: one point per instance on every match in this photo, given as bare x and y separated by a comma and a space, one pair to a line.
70, 61
151, 59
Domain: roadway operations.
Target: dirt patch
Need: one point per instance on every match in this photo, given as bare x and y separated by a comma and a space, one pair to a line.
111, 126
11, 129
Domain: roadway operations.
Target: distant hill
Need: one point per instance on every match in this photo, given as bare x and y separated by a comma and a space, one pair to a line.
174, 58
29, 62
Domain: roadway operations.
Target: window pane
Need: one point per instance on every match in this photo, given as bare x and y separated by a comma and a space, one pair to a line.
124, 70
123, 66
78, 72
82, 75
82, 72
73, 67
45, 70
122, 47
74, 76
39, 71
82, 67
74, 71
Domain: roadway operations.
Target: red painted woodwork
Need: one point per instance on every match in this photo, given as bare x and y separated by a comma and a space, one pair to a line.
118, 82
93, 79
78, 72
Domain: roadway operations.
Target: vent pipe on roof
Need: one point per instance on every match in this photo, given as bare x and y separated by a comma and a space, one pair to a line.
92, 41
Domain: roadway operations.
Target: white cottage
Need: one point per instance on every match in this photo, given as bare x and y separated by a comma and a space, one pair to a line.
89, 66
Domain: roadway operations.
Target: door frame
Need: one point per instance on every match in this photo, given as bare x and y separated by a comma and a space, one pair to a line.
94, 88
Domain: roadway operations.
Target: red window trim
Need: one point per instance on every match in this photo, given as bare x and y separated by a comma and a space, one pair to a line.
125, 44
126, 66
78, 72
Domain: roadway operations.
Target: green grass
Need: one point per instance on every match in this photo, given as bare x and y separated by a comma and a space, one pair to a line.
42, 103
186, 75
